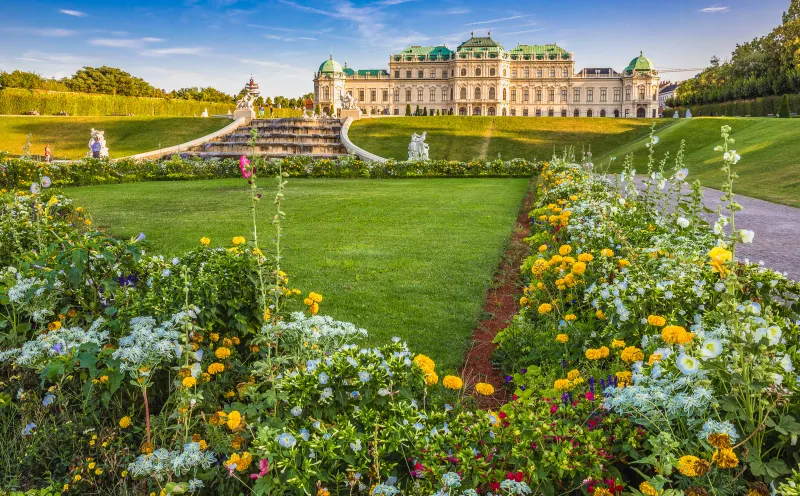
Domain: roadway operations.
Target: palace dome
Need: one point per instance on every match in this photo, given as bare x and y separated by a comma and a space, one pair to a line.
641, 63
330, 66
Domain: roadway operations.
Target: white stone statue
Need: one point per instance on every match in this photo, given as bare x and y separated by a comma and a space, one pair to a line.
229, 112
418, 149
349, 102
100, 135
688, 114
246, 103
205, 113
676, 116
305, 114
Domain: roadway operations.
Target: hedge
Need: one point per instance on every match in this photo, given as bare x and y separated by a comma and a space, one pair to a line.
758, 107
16, 101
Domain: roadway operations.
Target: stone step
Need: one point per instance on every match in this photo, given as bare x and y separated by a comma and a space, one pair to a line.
266, 155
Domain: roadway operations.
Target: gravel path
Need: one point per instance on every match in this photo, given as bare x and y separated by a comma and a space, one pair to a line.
777, 228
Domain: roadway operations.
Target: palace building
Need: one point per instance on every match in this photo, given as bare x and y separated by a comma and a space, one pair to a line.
482, 78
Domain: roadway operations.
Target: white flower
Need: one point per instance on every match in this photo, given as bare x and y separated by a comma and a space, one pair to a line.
712, 348
35, 188
681, 174
786, 363
683, 222
732, 157
747, 235
688, 364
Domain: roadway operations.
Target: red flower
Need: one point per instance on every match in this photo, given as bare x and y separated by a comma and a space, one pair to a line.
589, 395
554, 408
495, 486
502, 415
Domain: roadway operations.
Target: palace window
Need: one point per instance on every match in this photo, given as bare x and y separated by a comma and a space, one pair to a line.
433, 73
525, 112
373, 95
603, 113
550, 113
492, 93
396, 95
513, 73
419, 94
551, 95
478, 71
641, 92
590, 94
397, 74
463, 72
526, 73
444, 94
563, 112
539, 72
327, 92
603, 92
385, 95
576, 113
627, 113
444, 73
538, 112
477, 93
505, 94
565, 73
463, 93
504, 73
513, 112
576, 95
627, 95
514, 95
564, 95
491, 71
617, 95
360, 95
396, 111
525, 95
552, 73
538, 94
408, 95
433, 94
589, 113
420, 74
408, 74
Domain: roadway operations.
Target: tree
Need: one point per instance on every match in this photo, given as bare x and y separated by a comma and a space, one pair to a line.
111, 81
785, 112
416, 111
30, 81
408, 110
425, 112
317, 110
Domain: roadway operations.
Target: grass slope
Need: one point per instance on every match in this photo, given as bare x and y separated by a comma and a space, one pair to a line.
409, 258
466, 138
68, 137
770, 150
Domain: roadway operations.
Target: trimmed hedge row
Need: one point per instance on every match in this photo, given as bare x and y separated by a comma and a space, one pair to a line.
16, 101
21, 173
759, 107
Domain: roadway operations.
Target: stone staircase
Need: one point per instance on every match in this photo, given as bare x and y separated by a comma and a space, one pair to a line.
277, 138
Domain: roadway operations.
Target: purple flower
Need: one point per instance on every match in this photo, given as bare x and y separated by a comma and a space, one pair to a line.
58, 348
46, 182
140, 237
509, 378
28, 429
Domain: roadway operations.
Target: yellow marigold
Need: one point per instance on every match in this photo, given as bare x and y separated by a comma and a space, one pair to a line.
632, 354
189, 382
147, 448
691, 466
570, 317
562, 338
323, 492
238, 240
54, 326
315, 297
241, 462
452, 382
603, 351
607, 252
125, 422
562, 385
573, 374
654, 358
600, 315
234, 420
542, 248
719, 256
424, 362
585, 257
99, 471
623, 263
484, 388
222, 353
431, 378
676, 335
725, 458
593, 354
624, 378
523, 302
721, 441
617, 343
215, 368
564, 250
214, 337
205, 241
92, 465
579, 268
236, 340
647, 490
236, 442
545, 308
655, 320
601, 491
77, 478
226, 342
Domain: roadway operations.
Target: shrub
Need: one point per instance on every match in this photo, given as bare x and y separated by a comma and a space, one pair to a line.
785, 112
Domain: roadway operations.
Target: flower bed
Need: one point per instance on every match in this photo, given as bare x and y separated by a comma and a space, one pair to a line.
21, 173
644, 360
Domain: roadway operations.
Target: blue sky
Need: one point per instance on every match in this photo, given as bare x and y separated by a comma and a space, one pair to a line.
282, 42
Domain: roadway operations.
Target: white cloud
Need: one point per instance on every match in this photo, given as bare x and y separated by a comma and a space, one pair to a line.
30, 59
714, 10
289, 38
57, 58
286, 70
521, 32
73, 13
454, 11
502, 19
43, 32
175, 51
123, 42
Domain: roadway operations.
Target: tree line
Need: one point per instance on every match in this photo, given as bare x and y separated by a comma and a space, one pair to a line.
765, 66
113, 81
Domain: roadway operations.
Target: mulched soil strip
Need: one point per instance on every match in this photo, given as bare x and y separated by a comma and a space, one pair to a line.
502, 303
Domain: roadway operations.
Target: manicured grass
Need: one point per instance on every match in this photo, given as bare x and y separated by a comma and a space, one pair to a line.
409, 258
770, 150
466, 138
68, 137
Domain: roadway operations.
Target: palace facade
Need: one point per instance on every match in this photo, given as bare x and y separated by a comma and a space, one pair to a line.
482, 78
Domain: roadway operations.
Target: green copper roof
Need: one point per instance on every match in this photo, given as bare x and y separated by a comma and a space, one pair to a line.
330, 66
439, 52
480, 44
348, 71
372, 72
540, 52
640, 63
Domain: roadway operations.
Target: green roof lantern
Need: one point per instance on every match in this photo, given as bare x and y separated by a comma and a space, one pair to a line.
330, 66
640, 63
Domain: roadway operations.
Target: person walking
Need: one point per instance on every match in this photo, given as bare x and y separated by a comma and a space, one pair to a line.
48, 155
96, 148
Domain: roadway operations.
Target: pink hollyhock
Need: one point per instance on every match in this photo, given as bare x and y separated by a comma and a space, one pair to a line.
244, 166
263, 466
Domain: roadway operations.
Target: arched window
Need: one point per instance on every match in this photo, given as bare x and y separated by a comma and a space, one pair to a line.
492, 93
504, 94
538, 112
478, 71
654, 113
491, 71
577, 113
616, 113
589, 113
463, 93
491, 111
477, 93
327, 92
462, 111
563, 112
550, 113
476, 111
504, 75
504, 112
525, 112
463, 72
603, 113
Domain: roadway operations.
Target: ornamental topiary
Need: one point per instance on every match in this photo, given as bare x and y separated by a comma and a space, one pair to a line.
408, 110
785, 112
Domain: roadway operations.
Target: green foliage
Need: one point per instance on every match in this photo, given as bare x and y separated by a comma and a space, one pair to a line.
29, 81
208, 94
110, 81
318, 110
756, 107
785, 112
408, 110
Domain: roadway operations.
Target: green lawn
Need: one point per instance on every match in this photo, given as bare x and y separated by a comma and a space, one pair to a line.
770, 151
410, 258
68, 137
466, 138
